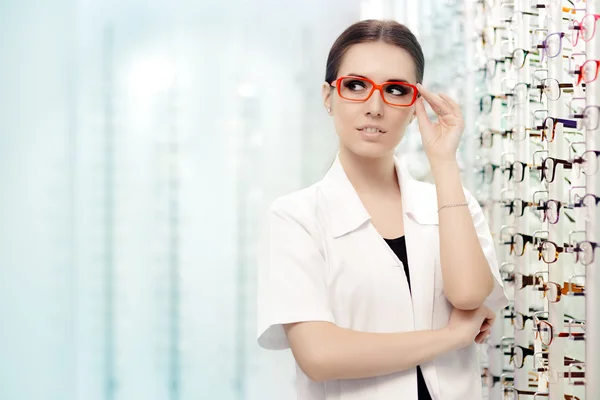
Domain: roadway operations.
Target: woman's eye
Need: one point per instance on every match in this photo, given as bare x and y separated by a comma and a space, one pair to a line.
355, 85
397, 90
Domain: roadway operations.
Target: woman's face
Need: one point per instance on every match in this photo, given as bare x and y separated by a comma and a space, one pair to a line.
379, 62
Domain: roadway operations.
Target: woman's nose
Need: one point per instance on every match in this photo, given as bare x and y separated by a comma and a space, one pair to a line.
375, 104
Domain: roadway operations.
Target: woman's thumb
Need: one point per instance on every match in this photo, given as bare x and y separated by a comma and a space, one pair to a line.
421, 113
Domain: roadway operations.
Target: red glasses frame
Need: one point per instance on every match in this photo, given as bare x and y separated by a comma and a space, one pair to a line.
376, 86
581, 69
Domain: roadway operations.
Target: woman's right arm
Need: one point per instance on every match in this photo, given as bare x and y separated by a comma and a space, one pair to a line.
325, 351
294, 310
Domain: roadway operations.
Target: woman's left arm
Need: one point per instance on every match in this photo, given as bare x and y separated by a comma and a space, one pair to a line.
468, 280
467, 276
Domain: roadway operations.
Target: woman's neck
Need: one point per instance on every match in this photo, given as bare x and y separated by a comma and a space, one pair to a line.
370, 175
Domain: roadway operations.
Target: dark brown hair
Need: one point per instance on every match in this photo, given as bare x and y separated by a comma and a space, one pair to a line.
373, 30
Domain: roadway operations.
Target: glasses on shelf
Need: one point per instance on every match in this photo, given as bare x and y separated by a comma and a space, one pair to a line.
540, 359
554, 291
491, 66
548, 251
589, 115
552, 375
589, 200
521, 281
520, 92
585, 202
517, 206
548, 169
553, 89
544, 330
487, 172
511, 393
516, 171
519, 56
518, 355
552, 45
548, 127
487, 101
587, 72
584, 251
551, 210
519, 319
584, 29
519, 133
519, 241
587, 162
486, 137
360, 89
490, 380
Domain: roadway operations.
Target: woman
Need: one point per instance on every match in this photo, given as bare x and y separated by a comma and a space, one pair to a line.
378, 283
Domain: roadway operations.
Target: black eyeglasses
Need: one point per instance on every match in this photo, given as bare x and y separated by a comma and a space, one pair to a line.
518, 241
549, 168
519, 319
517, 206
487, 172
516, 170
522, 281
584, 251
587, 162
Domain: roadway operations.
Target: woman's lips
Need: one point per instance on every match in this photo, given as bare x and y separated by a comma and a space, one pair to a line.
371, 134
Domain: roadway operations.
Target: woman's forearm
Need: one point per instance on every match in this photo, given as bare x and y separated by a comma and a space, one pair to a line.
465, 270
326, 352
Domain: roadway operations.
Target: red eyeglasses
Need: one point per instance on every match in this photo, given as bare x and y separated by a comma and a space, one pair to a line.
588, 72
360, 89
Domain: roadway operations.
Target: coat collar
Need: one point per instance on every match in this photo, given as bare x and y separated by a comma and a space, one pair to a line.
347, 212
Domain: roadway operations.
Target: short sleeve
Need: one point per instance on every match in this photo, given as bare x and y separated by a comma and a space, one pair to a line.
291, 284
497, 300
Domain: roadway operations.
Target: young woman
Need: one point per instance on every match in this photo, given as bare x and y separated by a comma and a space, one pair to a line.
380, 284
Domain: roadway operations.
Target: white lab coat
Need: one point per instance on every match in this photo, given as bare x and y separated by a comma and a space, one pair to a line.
322, 260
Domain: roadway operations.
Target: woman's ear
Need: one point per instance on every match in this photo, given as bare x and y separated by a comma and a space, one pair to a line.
327, 96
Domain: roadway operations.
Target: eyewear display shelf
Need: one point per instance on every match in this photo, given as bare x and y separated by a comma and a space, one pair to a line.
535, 80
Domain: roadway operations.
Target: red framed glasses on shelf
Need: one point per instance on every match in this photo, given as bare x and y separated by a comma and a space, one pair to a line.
585, 29
360, 89
588, 72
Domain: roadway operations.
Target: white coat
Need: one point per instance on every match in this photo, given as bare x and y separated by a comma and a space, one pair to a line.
321, 259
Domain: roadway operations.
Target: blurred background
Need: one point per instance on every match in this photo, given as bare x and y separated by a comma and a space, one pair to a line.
141, 143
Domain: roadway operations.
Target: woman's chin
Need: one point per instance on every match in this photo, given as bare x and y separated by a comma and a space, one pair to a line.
370, 149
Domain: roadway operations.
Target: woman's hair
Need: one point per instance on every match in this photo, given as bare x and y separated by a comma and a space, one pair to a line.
374, 30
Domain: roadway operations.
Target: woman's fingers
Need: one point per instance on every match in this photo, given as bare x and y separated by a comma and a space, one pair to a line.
486, 325
440, 106
424, 122
481, 336
455, 107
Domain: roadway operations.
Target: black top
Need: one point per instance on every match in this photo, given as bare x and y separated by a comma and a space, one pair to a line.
398, 245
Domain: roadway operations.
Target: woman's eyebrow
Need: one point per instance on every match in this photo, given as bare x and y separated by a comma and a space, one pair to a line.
389, 80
